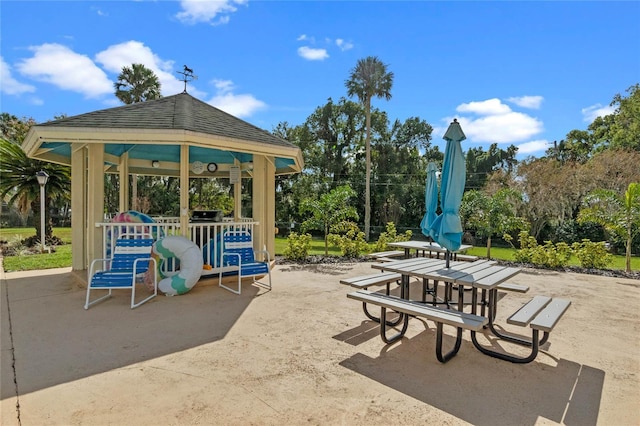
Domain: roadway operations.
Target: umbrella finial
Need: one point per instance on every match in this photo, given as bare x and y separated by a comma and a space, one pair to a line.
454, 132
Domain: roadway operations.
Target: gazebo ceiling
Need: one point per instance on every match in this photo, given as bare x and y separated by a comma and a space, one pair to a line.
155, 131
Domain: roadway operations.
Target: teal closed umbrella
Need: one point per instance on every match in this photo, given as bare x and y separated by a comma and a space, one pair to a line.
446, 229
430, 199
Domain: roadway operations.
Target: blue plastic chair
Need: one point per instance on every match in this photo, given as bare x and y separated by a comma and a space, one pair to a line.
238, 256
130, 261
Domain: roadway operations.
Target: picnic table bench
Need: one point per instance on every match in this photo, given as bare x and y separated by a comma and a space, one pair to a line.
518, 288
466, 257
386, 256
366, 281
440, 316
363, 282
541, 313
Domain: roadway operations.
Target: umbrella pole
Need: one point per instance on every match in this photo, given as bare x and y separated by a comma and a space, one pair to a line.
447, 256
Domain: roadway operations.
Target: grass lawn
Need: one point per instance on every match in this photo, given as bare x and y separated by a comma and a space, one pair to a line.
317, 247
9, 234
502, 253
62, 257
28, 262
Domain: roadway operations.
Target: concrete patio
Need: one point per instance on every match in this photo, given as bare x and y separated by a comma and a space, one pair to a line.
304, 354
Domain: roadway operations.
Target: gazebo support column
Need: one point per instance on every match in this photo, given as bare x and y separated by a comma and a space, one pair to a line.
95, 200
237, 195
123, 170
184, 190
264, 203
78, 207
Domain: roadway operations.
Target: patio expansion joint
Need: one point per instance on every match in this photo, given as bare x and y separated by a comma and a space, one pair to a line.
12, 349
256, 396
171, 370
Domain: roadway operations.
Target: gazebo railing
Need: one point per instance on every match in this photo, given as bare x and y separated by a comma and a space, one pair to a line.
167, 219
207, 236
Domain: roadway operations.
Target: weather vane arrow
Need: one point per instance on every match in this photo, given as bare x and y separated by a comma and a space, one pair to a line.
187, 75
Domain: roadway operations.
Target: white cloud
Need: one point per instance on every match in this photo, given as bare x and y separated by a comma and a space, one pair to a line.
223, 86
439, 131
489, 107
100, 12
195, 11
10, 85
501, 128
532, 147
344, 45
592, 112
532, 102
58, 65
117, 56
494, 122
312, 54
320, 54
242, 105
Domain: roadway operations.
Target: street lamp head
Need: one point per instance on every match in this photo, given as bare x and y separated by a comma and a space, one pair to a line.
42, 177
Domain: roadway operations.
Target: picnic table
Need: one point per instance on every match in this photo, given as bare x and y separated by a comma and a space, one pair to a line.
424, 247
481, 276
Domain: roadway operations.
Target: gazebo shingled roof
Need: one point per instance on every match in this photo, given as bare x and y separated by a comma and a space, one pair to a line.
177, 112
153, 130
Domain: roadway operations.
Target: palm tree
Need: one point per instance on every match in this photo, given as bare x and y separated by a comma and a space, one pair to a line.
369, 78
18, 179
137, 84
619, 214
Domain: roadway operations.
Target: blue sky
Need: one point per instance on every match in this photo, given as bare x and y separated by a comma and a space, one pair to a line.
522, 73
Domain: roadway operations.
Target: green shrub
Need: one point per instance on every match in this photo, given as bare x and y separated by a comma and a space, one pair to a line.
552, 255
528, 245
592, 255
390, 236
549, 255
350, 239
298, 246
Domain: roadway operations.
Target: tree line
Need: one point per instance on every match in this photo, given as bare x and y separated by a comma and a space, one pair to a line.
546, 194
384, 161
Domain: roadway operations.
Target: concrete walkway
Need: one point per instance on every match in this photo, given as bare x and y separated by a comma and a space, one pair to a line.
302, 354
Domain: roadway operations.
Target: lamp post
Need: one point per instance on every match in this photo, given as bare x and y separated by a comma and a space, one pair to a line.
42, 177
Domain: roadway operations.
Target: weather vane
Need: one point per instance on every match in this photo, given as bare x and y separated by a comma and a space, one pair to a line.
187, 74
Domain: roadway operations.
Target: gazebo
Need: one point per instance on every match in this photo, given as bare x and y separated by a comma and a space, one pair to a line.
177, 136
